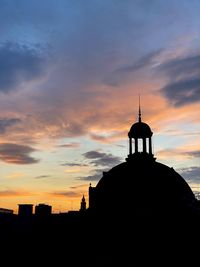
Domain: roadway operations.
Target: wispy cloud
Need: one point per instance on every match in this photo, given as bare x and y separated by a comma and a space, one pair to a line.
69, 194
79, 186
72, 170
145, 61
15, 175
13, 193
7, 123
193, 154
42, 176
70, 145
108, 137
74, 164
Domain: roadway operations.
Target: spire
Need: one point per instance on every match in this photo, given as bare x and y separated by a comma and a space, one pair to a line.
139, 113
83, 204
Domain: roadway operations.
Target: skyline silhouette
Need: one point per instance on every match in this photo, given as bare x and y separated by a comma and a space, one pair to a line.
89, 176
141, 221
70, 75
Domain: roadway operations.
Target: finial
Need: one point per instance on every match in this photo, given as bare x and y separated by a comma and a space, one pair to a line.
139, 114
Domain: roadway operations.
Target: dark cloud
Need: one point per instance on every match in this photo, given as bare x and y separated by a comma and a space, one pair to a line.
101, 159
179, 67
191, 174
70, 145
6, 123
93, 154
183, 85
19, 63
42, 176
183, 92
96, 176
73, 164
16, 154
78, 186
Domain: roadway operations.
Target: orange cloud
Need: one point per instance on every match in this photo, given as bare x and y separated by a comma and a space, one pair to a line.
13, 193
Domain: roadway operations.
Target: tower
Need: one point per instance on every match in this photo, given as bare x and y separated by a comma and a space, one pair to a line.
83, 204
25, 210
140, 131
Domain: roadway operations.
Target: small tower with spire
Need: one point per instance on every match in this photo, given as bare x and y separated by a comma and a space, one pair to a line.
140, 130
83, 204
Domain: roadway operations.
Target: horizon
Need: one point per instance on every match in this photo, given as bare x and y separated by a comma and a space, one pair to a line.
70, 78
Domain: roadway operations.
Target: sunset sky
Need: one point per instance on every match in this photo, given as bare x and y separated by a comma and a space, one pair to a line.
70, 75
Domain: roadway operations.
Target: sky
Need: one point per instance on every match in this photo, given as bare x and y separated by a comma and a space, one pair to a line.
71, 72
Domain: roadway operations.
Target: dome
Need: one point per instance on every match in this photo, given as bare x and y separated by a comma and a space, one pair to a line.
143, 186
140, 130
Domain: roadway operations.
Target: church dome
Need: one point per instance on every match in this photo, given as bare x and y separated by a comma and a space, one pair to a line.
143, 186
140, 130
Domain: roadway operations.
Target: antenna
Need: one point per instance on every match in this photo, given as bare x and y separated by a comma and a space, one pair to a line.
139, 113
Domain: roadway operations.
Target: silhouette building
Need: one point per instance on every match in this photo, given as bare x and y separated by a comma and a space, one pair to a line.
141, 186
83, 204
6, 211
42, 210
25, 210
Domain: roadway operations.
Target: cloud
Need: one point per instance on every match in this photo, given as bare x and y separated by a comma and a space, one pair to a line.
178, 153
191, 174
194, 154
70, 145
101, 159
183, 92
13, 193
74, 98
147, 60
73, 164
19, 63
108, 137
72, 170
42, 176
95, 176
15, 175
79, 186
69, 194
183, 86
6, 123
16, 154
